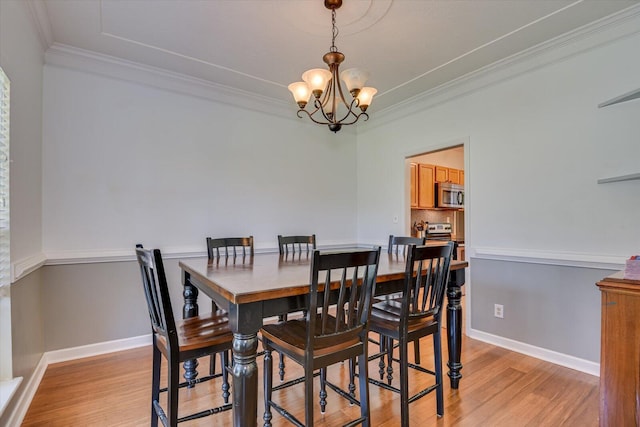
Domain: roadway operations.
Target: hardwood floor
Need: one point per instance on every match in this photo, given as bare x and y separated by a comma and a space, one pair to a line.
498, 388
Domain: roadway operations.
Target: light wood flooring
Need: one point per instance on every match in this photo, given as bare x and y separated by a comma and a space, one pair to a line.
498, 388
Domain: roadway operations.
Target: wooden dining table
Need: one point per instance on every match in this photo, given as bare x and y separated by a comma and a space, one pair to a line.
255, 288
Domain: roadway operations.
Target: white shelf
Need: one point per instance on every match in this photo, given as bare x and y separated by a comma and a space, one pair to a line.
619, 178
634, 94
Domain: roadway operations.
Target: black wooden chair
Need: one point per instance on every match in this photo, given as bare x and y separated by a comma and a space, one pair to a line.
230, 250
294, 246
178, 341
398, 247
229, 247
416, 315
398, 244
333, 330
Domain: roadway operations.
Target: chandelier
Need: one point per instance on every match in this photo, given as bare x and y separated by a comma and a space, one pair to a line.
329, 104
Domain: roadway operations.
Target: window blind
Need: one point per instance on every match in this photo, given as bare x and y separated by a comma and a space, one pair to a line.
5, 262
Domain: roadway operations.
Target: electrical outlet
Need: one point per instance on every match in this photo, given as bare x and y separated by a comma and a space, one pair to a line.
395, 219
498, 311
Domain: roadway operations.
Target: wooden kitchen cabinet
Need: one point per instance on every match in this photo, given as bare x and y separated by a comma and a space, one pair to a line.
620, 352
426, 177
442, 174
413, 170
454, 176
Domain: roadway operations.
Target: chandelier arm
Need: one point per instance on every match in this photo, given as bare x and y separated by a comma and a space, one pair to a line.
310, 115
344, 101
328, 96
355, 119
350, 112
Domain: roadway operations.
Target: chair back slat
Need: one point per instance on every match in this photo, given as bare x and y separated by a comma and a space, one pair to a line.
356, 271
296, 244
156, 293
398, 244
229, 247
426, 275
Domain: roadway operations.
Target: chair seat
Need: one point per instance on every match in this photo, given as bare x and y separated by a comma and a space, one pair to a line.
291, 336
201, 332
385, 317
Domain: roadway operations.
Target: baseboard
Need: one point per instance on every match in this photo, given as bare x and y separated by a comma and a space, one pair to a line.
89, 350
26, 396
24, 400
561, 359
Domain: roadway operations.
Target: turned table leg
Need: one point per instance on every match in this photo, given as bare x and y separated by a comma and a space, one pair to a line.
454, 326
190, 309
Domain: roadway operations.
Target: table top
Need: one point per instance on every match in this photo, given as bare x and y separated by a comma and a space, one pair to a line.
268, 276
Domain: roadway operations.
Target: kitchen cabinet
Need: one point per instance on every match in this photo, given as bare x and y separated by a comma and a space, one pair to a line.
454, 176
620, 351
413, 170
442, 174
423, 178
426, 177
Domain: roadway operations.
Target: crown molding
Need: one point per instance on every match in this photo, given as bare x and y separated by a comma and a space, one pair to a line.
65, 56
619, 25
38, 11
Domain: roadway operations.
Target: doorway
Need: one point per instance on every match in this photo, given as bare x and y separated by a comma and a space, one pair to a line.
429, 174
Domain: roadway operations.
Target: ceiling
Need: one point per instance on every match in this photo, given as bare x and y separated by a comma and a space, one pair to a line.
260, 46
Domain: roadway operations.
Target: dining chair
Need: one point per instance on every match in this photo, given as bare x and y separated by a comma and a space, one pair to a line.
398, 247
229, 249
333, 330
417, 315
287, 244
398, 244
178, 341
294, 246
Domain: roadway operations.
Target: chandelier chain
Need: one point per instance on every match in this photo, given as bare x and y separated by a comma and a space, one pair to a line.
334, 31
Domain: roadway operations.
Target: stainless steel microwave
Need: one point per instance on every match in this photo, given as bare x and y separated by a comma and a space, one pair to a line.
449, 195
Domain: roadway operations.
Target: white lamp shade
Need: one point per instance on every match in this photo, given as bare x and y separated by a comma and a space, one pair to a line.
300, 91
365, 96
354, 78
317, 79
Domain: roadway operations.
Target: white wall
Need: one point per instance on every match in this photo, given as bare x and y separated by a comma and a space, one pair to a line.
126, 163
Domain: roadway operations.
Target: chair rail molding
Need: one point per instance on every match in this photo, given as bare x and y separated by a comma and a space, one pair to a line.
92, 256
23, 267
532, 256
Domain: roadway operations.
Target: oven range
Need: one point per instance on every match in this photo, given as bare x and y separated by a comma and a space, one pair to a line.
438, 231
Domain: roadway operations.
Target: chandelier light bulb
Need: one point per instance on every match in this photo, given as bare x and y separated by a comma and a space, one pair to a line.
354, 78
317, 80
365, 96
301, 93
